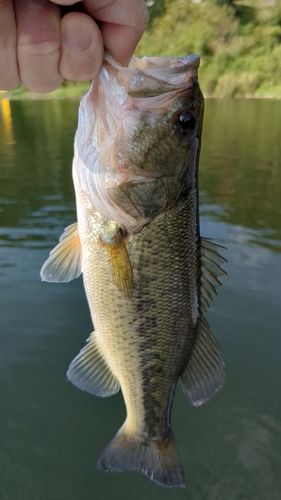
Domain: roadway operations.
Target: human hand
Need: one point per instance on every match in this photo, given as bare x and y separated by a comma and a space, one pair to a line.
40, 48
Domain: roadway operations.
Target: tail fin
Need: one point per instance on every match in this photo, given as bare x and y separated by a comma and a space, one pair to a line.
158, 460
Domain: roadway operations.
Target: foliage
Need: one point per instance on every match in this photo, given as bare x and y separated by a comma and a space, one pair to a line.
69, 90
239, 41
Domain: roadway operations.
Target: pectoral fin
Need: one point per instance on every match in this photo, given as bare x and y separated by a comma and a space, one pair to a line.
119, 262
90, 372
64, 262
204, 373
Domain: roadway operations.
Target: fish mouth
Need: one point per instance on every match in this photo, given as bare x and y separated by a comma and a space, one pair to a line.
153, 76
166, 65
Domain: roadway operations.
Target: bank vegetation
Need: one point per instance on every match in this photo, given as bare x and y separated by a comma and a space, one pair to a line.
239, 42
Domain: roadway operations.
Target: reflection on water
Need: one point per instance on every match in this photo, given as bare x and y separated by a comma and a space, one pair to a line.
240, 167
36, 185
52, 434
6, 129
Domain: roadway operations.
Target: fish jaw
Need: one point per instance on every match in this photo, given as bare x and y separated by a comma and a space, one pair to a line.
127, 148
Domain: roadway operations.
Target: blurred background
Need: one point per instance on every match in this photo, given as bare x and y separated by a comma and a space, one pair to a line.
238, 41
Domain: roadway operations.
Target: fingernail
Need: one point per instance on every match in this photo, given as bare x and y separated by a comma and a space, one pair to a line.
78, 37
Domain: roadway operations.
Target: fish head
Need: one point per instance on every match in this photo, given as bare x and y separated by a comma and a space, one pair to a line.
138, 138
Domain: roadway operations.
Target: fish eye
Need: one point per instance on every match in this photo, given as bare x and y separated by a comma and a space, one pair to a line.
185, 122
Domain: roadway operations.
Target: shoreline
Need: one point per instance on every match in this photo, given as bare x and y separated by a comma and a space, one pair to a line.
78, 91
22, 94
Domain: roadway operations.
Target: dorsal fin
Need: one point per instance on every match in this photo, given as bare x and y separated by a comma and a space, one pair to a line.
204, 373
90, 372
64, 262
211, 269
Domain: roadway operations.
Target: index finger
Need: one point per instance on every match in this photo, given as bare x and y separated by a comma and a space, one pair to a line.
122, 23
9, 77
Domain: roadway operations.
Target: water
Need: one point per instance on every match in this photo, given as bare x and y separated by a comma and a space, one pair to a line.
51, 434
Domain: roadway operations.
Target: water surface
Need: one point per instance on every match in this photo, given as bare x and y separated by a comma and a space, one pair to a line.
51, 434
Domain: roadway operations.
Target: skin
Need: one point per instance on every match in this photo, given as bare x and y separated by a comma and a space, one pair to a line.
40, 47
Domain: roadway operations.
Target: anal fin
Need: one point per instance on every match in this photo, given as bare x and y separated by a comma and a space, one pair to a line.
204, 373
90, 372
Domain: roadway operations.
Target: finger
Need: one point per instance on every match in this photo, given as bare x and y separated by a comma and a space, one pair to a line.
122, 24
121, 41
82, 47
38, 23
9, 77
65, 2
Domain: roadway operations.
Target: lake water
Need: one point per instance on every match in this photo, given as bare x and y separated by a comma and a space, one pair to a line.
51, 434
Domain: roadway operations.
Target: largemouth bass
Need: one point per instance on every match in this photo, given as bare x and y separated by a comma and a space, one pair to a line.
148, 274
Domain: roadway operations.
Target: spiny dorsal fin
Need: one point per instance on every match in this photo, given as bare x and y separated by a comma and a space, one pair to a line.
211, 262
64, 262
120, 262
204, 373
90, 372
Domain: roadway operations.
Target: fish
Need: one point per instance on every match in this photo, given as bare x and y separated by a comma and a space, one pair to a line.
148, 274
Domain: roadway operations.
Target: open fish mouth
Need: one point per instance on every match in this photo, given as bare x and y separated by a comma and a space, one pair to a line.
151, 76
